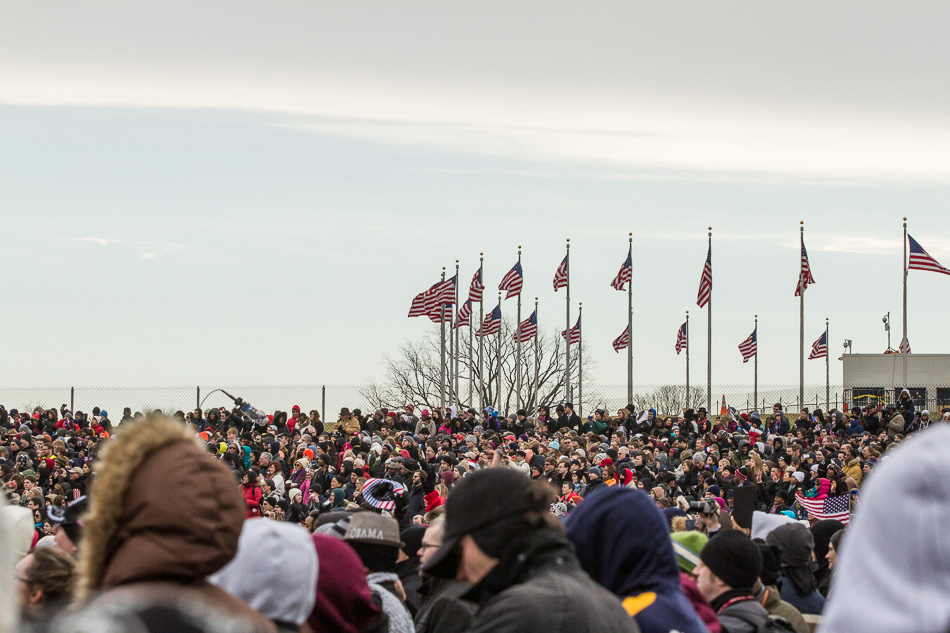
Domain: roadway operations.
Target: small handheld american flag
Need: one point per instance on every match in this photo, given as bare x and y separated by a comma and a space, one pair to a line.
837, 508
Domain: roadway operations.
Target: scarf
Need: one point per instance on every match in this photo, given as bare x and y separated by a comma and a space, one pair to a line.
399, 619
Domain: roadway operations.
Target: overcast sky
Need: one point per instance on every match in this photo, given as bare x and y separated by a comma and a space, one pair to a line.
253, 192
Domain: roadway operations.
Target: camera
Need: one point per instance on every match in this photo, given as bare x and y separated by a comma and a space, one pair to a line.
705, 506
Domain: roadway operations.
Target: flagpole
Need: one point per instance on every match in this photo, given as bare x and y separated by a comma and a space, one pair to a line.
827, 368
498, 346
471, 373
801, 326
904, 344
580, 360
454, 345
630, 325
709, 339
481, 339
455, 357
567, 323
518, 346
755, 381
687, 360
537, 357
442, 350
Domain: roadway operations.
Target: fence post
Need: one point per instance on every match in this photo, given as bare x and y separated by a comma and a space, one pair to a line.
72, 399
198, 398
323, 403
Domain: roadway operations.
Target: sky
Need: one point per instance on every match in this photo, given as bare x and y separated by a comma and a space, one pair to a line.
253, 196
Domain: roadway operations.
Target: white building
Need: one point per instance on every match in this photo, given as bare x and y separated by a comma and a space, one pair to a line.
878, 378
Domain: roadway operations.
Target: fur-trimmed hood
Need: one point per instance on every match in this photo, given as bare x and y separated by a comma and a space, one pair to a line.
161, 509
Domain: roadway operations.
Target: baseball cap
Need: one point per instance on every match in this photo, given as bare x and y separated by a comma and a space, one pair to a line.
480, 500
373, 528
70, 517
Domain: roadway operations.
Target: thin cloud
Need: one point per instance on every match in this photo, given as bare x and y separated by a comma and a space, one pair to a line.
146, 250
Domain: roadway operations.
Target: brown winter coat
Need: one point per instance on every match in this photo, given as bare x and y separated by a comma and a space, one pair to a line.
349, 424
163, 515
853, 470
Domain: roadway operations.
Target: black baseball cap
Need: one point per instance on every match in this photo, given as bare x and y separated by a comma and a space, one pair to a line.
480, 500
70, 517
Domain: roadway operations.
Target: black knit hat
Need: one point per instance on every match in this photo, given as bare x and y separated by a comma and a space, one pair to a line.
734, 558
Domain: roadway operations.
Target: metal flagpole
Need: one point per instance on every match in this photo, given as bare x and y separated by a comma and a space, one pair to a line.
755, 381
827, 368
709, 340
687, 360
456, 353
471, 374
481, 339
580, 361
904, 344
442, 351
630, 326
537, 357
801, 327
518, 347
567, 324
498, 347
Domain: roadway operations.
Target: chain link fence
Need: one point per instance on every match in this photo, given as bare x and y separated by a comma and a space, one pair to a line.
329, 399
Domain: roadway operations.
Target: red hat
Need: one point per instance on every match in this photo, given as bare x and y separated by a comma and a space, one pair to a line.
308, 454
391, 414
296, 407
411, 407
404, 453
606, 462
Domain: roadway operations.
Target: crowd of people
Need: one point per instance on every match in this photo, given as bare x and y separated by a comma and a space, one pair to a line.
424, 519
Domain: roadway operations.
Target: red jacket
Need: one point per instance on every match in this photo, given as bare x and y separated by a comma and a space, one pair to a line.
252, 497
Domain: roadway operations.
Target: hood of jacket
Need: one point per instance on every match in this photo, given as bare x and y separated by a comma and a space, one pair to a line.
893, 561
623, 542
161, 509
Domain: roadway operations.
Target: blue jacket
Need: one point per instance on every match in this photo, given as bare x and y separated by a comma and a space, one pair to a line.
623, 542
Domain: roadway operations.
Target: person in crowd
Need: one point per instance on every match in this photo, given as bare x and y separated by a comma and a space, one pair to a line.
622, 541
501, 539
728, 569
44, 581
797, 584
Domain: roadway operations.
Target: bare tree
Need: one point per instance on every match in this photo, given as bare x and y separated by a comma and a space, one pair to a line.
671, 399
413, 374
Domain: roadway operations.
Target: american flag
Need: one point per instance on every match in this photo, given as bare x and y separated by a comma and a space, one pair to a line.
705, 282
560, 276
513, 281
491, 325
626, 272
477, 287
681, 339
804, 277
905, 346
749, 347
428, 302
921, 259
837, 508
622, 341
529, 327
575, 333
820, 348
464, 318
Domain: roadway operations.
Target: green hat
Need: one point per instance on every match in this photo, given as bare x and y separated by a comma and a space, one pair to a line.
687, 546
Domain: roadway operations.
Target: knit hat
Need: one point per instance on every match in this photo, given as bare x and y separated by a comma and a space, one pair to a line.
733, 558
687, 546
714, 490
